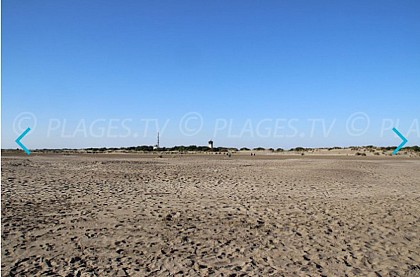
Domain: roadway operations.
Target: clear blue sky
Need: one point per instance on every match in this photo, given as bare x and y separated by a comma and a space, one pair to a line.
76, 61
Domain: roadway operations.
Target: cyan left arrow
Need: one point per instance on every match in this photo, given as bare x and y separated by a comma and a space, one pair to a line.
21, 144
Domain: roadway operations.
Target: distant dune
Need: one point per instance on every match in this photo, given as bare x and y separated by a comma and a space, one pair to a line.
413, 151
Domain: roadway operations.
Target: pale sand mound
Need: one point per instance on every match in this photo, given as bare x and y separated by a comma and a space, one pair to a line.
87, 216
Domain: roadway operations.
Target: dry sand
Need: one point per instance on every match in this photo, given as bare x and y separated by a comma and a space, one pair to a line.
132, 215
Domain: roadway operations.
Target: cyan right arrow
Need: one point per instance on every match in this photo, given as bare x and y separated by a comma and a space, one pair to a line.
404, 141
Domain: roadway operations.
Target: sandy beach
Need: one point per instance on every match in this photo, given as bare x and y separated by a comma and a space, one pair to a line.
186, 215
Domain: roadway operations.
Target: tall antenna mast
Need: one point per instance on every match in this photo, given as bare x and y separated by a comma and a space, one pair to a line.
157, 145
